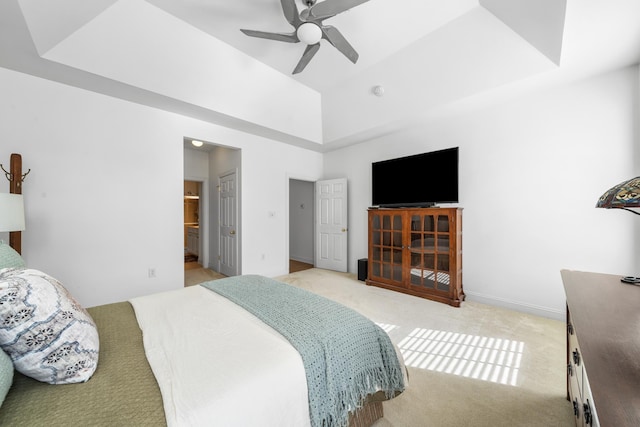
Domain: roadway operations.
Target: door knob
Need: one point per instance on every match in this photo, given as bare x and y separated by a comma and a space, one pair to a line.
344, 230
232, 232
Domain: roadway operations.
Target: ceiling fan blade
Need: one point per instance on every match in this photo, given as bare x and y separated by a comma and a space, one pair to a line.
339, 42
329, 8
291, 12
282, 37
309, 52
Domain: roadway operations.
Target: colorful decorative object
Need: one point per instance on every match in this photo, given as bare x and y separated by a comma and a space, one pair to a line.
623, 196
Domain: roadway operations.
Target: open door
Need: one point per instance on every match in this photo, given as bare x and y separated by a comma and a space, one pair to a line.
228, 203
331, 224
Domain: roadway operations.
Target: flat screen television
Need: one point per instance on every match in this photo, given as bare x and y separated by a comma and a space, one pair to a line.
420, 180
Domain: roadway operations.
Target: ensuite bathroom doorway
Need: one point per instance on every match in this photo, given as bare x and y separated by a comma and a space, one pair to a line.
192, 238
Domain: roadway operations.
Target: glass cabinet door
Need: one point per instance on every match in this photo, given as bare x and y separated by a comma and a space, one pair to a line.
386, 246
429, 249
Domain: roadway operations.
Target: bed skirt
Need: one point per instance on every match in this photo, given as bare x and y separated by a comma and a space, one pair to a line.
367, 415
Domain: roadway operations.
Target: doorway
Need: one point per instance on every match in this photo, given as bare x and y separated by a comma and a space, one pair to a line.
331, 224
192, 212
205, 163
318, 230
301, 225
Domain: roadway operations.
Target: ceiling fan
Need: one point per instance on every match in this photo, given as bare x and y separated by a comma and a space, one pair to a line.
309, 28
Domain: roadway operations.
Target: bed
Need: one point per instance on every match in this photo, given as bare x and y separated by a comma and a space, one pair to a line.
193, 356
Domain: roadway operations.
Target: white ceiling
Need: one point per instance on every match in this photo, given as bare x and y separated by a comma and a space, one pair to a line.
188, 56
376, 29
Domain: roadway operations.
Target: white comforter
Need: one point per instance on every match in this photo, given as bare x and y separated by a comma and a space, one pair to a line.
218, 365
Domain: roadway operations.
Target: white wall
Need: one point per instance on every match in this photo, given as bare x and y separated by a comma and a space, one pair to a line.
265, 189
301, 207
196, 165
104, 198
531, 171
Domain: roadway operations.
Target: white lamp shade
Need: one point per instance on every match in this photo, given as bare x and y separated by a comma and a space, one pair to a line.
11, 212
309, 33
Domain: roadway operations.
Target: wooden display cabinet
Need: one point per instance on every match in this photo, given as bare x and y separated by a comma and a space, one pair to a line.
417, 251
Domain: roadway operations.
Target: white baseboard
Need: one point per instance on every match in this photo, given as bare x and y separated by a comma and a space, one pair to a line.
517, 306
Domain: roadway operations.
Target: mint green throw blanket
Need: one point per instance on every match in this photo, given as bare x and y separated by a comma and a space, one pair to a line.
346, 356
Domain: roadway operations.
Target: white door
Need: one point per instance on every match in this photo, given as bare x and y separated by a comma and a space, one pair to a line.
331, 224
228, 202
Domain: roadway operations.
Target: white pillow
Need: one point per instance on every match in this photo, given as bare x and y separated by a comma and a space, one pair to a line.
47, 334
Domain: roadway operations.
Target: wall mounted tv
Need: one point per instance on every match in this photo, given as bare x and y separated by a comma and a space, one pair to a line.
420, 180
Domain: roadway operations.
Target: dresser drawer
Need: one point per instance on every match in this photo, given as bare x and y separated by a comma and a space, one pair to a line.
575, 398
575, 356
589, 414
603, 345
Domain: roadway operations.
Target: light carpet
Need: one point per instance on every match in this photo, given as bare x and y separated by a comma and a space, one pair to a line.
475, 365
195, 276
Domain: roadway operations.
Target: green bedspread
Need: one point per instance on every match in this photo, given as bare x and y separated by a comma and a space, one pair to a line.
346, 356
122, 391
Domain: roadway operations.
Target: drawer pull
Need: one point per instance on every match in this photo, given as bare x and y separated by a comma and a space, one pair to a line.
576, 357
576, 408
588, 416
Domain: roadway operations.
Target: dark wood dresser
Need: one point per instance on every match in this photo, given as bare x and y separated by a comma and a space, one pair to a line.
603, 349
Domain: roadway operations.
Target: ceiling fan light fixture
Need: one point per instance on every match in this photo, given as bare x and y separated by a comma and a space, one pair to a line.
310, 29
309, 33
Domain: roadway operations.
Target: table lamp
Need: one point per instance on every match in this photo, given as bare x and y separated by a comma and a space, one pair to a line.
625, 195
11, 212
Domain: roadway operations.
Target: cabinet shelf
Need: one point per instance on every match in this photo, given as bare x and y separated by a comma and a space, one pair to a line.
429, 250
417, 251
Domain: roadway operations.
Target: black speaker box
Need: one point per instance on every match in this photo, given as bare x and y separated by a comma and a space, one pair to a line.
363, 269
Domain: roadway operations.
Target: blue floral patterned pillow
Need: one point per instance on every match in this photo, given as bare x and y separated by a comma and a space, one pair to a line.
48, 335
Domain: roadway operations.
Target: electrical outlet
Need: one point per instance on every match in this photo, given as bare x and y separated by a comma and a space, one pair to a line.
152, 273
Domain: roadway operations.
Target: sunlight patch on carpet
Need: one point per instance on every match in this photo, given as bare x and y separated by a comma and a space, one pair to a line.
483, 358
386, 327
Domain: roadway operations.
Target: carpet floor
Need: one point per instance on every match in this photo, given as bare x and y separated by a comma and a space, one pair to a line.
476, 365
194, 276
